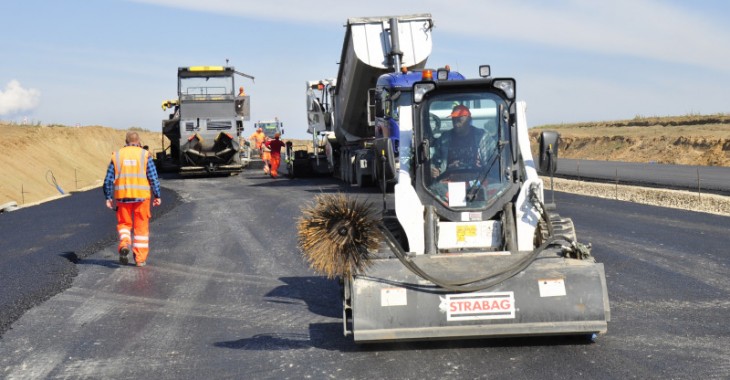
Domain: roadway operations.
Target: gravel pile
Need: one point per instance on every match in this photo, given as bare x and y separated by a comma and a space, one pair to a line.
686, 200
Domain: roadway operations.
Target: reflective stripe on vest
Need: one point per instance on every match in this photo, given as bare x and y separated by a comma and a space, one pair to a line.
130, 173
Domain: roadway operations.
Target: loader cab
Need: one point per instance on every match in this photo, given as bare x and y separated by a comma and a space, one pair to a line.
464, 150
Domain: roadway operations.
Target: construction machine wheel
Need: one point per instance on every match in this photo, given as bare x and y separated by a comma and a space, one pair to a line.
508, 228
394, 227
562, 227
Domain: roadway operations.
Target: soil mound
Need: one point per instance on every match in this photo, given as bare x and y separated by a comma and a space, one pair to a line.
682, 140
32, 157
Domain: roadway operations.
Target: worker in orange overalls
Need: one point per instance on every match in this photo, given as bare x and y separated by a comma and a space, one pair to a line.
241, 92
131, 180
258, 138
266, 155
275, 145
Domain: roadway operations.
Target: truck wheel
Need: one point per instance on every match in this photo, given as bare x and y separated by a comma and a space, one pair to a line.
395, 228
364, 180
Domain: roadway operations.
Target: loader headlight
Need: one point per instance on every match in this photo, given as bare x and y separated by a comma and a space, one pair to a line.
507, 86
485, 71
421, 89
443, 73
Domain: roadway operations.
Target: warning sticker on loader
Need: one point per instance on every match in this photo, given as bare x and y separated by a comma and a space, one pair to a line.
393, 297
551, 287
476, 306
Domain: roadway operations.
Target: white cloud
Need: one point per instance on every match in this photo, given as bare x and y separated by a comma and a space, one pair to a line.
16, 99
644, 29
648, 29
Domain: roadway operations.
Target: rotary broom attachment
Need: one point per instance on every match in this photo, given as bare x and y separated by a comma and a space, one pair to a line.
336, 234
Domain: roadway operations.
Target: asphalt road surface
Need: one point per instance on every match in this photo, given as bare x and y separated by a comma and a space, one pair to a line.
226, 294
714, 179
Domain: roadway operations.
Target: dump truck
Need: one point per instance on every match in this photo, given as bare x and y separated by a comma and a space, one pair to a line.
348, 135
469, 247
205, 123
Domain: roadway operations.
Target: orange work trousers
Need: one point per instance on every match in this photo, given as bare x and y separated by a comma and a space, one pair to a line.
133, 219
266, 158
275, 161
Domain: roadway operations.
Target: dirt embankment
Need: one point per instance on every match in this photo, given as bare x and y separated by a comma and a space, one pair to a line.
31, 156
684, 140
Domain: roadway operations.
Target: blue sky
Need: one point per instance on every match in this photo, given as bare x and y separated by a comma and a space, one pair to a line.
112, 62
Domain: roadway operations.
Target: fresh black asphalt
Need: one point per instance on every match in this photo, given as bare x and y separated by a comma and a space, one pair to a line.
40, 245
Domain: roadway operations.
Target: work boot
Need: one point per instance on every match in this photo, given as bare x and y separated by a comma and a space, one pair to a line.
123, 252
141, 264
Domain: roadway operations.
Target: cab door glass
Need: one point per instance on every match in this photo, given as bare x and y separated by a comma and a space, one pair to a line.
463, 169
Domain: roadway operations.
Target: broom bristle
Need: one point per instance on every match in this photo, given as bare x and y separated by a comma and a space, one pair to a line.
336, 234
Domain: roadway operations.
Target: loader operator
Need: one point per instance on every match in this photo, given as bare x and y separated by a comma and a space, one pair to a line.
464, 154
131, 180
275, 145
463, 147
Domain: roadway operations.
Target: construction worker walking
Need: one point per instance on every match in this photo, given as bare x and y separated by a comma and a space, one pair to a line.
275, 145
258, 138
131, 180
266, 155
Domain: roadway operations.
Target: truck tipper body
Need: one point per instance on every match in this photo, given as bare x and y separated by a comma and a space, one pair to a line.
341, 111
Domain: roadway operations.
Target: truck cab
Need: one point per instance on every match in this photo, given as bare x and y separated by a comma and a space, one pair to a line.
392, 95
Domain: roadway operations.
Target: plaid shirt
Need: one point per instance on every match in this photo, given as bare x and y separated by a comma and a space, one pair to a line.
476, 149
152, 177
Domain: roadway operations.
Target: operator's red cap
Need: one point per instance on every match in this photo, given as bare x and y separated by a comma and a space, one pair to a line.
460, 110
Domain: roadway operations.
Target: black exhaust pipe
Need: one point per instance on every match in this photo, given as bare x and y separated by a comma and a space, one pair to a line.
395, 52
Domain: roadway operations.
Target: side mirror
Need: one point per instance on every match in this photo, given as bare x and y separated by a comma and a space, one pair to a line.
549, 152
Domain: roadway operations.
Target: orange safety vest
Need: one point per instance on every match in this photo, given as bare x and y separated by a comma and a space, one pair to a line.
130, 173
